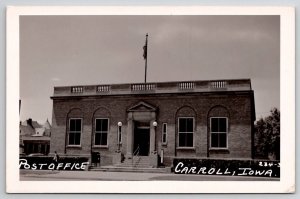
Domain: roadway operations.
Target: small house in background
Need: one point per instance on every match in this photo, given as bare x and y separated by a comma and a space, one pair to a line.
35, 137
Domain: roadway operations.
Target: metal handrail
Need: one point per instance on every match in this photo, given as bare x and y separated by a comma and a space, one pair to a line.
135, 154
137, 150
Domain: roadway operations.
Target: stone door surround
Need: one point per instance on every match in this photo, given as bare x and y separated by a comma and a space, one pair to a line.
141, 112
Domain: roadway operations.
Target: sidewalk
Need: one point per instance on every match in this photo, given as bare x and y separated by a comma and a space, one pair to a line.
40, 175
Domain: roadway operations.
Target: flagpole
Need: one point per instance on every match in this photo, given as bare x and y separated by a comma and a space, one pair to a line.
145, 70
146, 56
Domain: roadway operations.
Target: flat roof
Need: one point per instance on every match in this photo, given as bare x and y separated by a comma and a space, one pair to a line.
154, 88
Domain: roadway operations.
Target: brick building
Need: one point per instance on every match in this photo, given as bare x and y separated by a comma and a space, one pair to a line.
160, 121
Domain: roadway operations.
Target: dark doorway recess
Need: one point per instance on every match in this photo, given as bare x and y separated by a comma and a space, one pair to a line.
142, 138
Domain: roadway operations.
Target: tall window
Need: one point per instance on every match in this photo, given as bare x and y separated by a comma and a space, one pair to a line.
164, 134
186, 132
75, 129
101, 132
218, 132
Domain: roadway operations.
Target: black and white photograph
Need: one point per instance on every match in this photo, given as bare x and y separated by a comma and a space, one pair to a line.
150, 98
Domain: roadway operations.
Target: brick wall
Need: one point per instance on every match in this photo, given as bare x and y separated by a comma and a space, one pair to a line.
238, 106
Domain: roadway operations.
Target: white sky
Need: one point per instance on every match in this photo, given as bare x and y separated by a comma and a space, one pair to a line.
80, 50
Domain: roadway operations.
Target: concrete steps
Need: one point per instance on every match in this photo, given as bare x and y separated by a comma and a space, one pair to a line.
138, 164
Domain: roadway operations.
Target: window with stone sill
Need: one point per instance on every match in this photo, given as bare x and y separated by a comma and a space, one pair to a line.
75, 129
185, 132
218, 132
101, 132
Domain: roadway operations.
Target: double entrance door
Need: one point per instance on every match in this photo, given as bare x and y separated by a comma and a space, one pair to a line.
141, 138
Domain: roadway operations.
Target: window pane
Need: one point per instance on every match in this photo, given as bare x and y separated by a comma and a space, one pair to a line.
189, 140
218, 124
72, 125
104, 124
186, 139
182, 138
186, 124
214, 124
71, 139
98, 125
182, 125
78, 125
190, 124
103, 139
214, 140
77, 138
222, 125
223, 140
101, 124
164, 128
164, 138
97, 138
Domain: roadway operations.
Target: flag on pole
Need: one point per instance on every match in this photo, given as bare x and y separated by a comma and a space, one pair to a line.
145, 47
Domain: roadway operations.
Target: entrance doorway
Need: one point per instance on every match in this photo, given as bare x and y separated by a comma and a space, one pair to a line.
142, 138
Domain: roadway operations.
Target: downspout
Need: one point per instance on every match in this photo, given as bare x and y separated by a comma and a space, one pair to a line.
91, 148
66, 135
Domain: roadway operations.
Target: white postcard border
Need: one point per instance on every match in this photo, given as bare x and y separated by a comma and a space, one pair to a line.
287, 104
